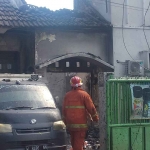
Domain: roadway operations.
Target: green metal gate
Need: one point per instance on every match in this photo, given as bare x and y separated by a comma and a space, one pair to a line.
123, 133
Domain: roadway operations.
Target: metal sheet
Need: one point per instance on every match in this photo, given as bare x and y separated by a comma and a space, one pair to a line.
120, 138
137, 140
147, 138
119, 110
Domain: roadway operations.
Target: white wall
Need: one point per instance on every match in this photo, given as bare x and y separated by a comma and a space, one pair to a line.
50, 44
134, 11
102, 7
135, 42
133, 21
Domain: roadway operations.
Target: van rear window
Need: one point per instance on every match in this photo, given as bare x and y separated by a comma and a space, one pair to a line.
25, 96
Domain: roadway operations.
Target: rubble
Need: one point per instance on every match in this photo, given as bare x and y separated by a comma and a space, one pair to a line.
91, 140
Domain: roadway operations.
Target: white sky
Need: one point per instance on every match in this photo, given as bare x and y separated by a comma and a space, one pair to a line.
52, 4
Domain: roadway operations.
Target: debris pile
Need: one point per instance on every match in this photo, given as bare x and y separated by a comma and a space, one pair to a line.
91, 141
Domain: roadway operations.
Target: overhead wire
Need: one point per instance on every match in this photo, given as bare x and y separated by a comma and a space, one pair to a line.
123, 39
121, 5
123, 33
144, 27
141, 9
134, 60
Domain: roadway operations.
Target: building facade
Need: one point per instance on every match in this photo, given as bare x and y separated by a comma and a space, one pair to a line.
131, 31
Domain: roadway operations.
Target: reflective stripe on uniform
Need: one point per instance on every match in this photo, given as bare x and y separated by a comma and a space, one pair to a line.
77, 125
74, 107
94, 115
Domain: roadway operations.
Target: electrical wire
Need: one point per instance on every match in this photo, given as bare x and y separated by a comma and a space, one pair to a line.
141, 9
137, 62
144, 27
121, 5
123, 39
123, 33
118, 6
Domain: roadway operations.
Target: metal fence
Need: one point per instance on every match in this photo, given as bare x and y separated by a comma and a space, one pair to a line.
124, 133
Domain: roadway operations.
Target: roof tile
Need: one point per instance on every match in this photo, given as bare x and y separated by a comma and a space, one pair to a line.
1, 23
29, 16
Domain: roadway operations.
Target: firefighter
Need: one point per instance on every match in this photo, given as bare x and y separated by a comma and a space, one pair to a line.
77, 105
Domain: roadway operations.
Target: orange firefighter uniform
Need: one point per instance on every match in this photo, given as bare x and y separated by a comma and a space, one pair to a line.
77, 106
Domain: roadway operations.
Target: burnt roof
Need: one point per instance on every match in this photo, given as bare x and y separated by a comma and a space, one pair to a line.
32, 16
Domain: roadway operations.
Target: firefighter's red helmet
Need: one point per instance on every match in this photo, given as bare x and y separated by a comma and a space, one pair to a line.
76, 81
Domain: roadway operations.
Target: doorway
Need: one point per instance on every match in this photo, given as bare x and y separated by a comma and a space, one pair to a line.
58, 71
9, 62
